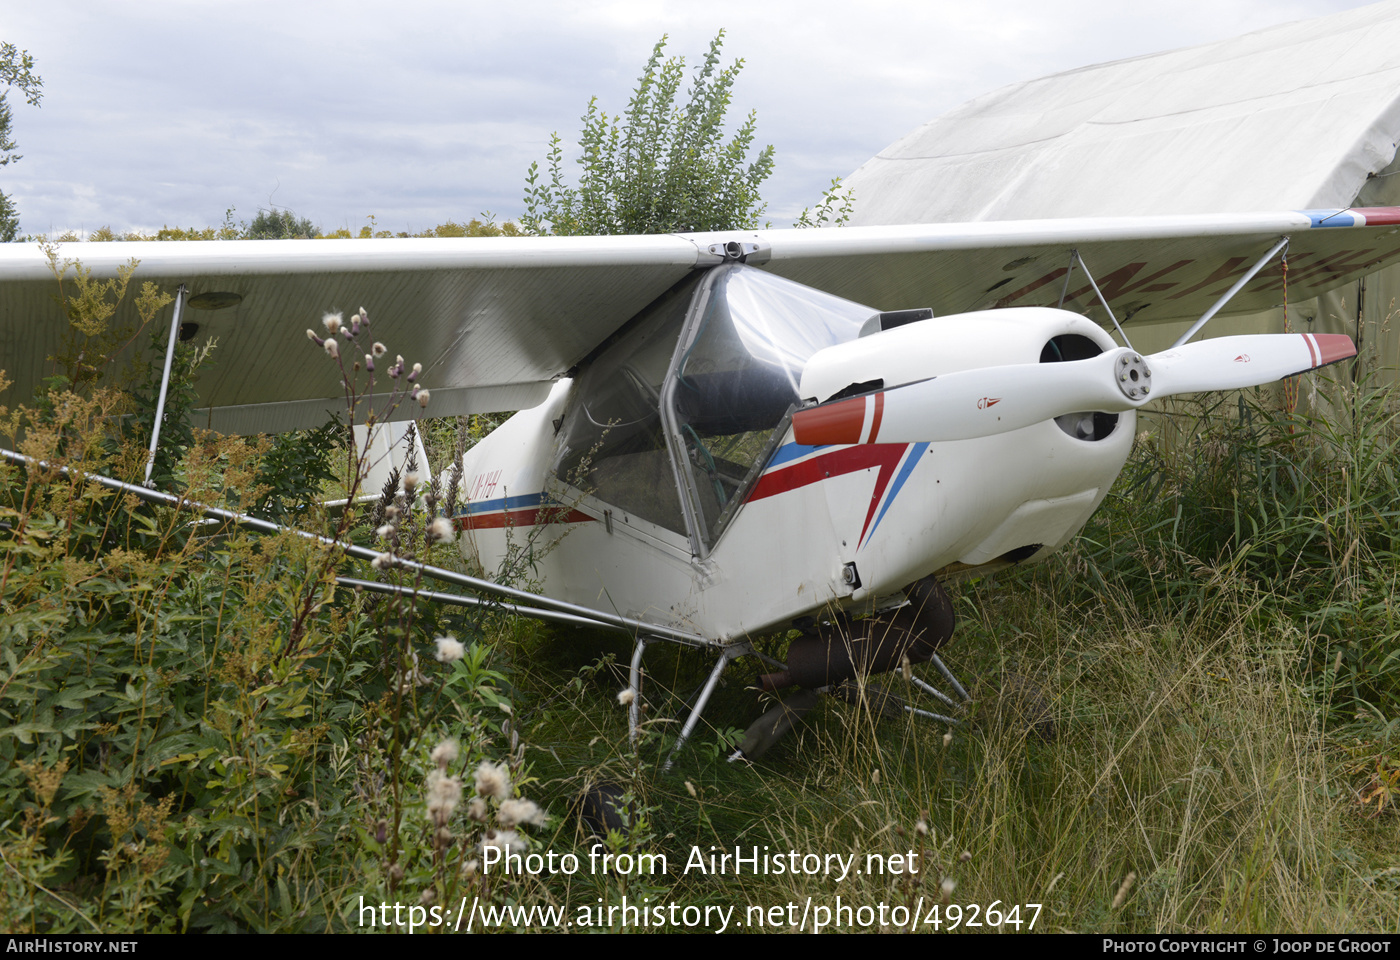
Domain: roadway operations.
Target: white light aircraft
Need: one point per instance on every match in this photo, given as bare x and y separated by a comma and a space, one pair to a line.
726, 435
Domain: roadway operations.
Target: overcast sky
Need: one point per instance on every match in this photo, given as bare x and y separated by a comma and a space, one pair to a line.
170, 112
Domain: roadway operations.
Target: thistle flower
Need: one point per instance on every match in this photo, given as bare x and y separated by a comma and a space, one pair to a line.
492, 780
476, 810
446, 752
369, 363
518, 811
423, 399
410, 481
379, 349
921, 828
332, 348
946, 887
626, 697
311, 335
364, 316
382, 561
947, 738
385, 530
439, 530
331, 322
965, 856
444, 793
449, 649
417, 369
506, 841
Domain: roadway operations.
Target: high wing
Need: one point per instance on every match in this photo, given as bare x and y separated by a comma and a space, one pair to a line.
495, 320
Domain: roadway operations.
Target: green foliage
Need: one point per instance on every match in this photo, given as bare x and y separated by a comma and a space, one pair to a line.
279, 225
295, 468
473, 228
16, 70
9, 219
198, 731
660, 167
833, 210
284, 226
1302, 516
177, 432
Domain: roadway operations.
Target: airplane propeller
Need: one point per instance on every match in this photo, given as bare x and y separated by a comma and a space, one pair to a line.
991, 400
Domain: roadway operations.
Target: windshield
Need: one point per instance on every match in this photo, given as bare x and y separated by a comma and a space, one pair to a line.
612, 443
739, 376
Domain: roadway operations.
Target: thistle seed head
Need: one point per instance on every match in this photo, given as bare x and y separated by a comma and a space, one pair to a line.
493, 780
444, 793
449, 649
506, 841
446, 752
520, 811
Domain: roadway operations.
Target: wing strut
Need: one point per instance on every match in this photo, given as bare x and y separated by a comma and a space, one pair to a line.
164, 384
1239, 285
1073, 256
364, 553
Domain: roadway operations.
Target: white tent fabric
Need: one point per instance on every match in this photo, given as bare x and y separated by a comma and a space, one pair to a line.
1292, 117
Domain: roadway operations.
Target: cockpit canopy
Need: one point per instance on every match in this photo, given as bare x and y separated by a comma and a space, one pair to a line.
675, 418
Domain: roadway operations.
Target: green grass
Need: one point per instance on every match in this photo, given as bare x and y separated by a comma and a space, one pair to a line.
1185, 721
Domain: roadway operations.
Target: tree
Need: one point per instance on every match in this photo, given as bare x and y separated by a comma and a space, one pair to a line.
16, 70
661, 167
280, 225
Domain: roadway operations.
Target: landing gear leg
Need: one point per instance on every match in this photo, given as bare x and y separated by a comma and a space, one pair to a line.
727, 654
634, 678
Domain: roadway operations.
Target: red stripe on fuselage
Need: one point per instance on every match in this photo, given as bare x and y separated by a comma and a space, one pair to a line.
833, 464
529, 517
830, 423
885, 456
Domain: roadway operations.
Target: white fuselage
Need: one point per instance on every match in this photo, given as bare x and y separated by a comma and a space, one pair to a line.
817, 525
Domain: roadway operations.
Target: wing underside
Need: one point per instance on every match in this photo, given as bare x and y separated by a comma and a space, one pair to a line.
495, 320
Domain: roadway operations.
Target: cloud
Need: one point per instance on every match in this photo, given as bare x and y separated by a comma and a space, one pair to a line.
171, 112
